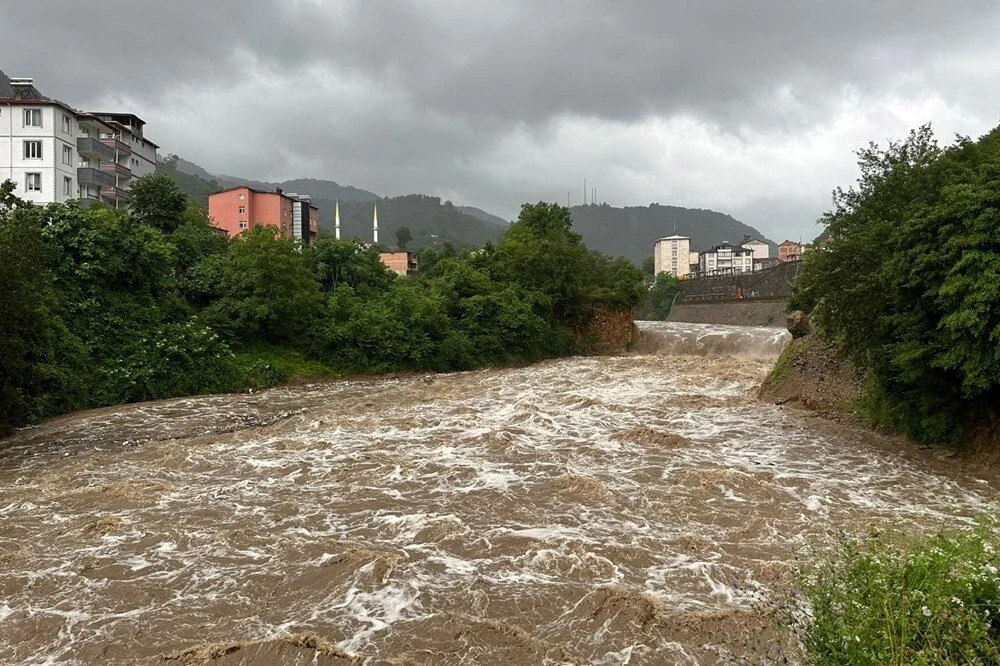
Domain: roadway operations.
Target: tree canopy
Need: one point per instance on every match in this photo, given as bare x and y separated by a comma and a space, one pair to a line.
907, 280
105, 306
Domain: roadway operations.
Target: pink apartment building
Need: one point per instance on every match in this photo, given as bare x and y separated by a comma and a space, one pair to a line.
240, 208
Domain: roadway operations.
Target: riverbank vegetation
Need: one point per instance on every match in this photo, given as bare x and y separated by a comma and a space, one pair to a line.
659, 298
103, 306
887, 599
906, 283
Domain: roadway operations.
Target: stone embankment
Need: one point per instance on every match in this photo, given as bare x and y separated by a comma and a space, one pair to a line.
746, 299
741, 313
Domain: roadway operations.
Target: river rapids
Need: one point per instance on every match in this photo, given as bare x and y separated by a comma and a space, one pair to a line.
608, 510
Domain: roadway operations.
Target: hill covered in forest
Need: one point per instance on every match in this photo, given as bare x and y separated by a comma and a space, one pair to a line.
631, 231
430, 221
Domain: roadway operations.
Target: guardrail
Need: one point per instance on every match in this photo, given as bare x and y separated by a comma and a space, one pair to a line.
727, 298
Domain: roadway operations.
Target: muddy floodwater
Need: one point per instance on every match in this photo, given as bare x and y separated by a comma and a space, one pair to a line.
623, 510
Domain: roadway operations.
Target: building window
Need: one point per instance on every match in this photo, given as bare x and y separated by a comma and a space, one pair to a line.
32, 150
67, 155
33, 182
67, 126
243, 209
68, 186
243, 224
242, 197
32, 117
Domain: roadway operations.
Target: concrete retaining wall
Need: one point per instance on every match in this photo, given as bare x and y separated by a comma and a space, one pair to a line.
773, 283
752, 313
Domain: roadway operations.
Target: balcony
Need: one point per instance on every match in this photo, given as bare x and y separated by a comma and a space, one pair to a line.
90, 202
115, 193
92, 148
92, 176
117, 144
115, 168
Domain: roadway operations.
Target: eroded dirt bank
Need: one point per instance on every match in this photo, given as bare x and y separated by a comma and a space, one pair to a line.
634, 509
811, 375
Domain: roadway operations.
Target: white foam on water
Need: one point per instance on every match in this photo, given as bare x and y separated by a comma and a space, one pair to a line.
510, 494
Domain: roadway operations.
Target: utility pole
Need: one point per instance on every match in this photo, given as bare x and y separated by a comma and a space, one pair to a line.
584, 191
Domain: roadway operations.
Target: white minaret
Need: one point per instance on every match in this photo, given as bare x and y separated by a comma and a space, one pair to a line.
336, 221
375, 226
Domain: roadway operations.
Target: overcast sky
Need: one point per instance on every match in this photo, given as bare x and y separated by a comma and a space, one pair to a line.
750, 108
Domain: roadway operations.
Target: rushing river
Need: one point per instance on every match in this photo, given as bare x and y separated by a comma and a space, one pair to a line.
631, 509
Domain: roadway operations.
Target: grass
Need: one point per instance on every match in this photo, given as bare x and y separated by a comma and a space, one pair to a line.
890, 599
780, 369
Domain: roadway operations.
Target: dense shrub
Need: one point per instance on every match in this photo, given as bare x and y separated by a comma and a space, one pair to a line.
104, 306
660, 298
173, 360
41, 361
907, 281
879, 601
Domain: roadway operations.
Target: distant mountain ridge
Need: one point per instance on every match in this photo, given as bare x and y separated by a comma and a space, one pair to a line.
631, 231
431, 222
481, 214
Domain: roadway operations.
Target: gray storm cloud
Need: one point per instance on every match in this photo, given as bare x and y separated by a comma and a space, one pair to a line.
750, 108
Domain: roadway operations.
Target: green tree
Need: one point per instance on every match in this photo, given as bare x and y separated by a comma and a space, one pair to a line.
541, 253
660, 297
158, 202
268, 291
338, 263
41, 362
403, 236
648, 268
906, 283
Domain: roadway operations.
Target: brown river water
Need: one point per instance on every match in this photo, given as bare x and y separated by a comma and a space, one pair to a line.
614, 510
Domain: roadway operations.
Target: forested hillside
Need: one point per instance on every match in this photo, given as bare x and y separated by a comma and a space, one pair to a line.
481, 214
631, 231
431, 222
628, 232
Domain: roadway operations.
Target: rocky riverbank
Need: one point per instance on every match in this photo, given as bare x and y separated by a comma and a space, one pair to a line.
811, 374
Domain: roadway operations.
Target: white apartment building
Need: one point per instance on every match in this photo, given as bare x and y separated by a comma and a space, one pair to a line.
55, 154
760, 249
672, 255
725, 258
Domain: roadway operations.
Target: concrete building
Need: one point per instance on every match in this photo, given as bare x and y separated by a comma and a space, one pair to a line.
790, 251
55, 154
400, 263
243, 207
760, 249
725, 258
693, 259
672, 254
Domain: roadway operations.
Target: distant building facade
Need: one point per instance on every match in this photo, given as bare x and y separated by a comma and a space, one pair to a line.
400, 263
693, 258
672, 255
725, 258
790, 251
55, 154
239, 208
760, 249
